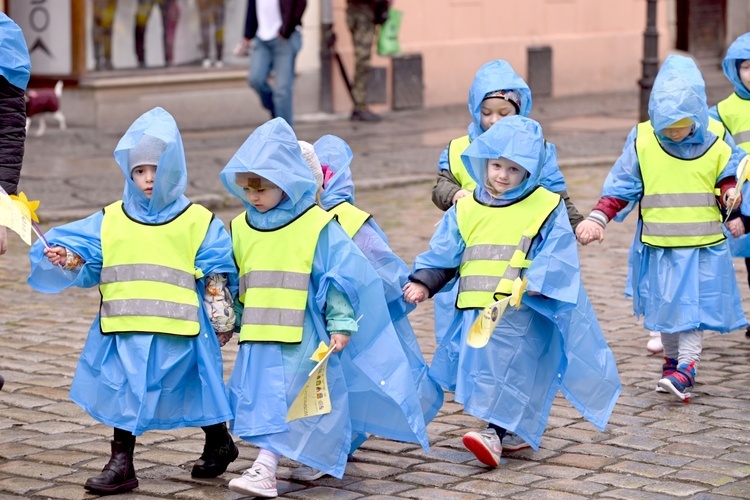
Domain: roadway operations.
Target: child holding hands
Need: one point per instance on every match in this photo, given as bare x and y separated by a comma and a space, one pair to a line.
303, 281
681, 275
511, 227
151, 359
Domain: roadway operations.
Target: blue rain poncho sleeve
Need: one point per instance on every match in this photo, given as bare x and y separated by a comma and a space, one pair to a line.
332, 243
624, 181
443, 161
552, 177
555, 269
392, 270
82, 237
215, 254
446, 245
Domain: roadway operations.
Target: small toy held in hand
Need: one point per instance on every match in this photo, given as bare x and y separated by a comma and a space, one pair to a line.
19, 214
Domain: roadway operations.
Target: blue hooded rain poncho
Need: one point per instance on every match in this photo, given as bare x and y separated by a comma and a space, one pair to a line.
492, 76
15, 65
141, 382
334, 153
371, 387
553, 342
676, 289
738, 52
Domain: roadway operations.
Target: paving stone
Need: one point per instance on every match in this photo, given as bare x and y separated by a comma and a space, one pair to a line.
22, 485
705, 477
439, 494
488, 489
17, 450
61, 457
370, 471
167, 457
57, 441
556, 471
636, 442
620, 480
323, 493
578, 435
66, 492
740, 489
658, 458
721, 467
34, 470
387, 446
584, 488
377, 487
161, 488
426, 479
507, 475
678, 489
581, 461
444, 454
639, 468
691, 450
54, 427
375, 457
603, 450
635, 495
449, 469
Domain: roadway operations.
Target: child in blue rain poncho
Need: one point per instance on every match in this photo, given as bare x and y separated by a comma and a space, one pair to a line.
151, 359
497, 92
513, 227
332, 157
734, 113
303, 281
680, 271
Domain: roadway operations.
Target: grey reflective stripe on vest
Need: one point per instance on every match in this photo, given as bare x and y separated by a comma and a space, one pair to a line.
488, 252
741, 137
478, 283
146, 307
677, 200
682, 228
274, 279
147, 272
273, 316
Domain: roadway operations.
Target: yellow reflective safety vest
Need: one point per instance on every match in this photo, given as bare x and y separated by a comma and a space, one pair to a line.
350, 217
734, 112
679, 207
497, 241
148, 272
275, 268
455, 149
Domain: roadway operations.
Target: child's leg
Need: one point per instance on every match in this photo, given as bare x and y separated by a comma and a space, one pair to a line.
218, 452
118, 476
260, 479
679, 383
486, 445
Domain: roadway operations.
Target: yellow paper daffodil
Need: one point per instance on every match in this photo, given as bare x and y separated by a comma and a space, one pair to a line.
27, 208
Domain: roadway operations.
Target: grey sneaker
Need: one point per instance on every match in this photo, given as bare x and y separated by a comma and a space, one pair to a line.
306, 473
485, 445
513, 442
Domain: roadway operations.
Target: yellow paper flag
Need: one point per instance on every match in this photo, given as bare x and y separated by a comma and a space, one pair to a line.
14, 218
313, 399
482, 328
743, 174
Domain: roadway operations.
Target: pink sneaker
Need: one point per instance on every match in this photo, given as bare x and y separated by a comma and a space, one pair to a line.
485, 445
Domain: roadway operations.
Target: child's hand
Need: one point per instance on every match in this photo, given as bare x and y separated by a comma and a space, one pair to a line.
224, 337
460, 194
56, 255
736, 227
339, 341
415, 292
588, 231
732, 199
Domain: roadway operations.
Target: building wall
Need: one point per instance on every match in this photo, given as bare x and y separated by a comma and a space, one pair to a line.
597, 45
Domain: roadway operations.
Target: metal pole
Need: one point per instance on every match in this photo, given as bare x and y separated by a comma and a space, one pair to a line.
650, 58
326, 56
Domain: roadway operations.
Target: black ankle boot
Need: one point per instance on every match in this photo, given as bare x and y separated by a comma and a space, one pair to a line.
118, 476
218, 453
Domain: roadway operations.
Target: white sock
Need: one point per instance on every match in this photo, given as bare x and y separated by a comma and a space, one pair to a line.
269, 460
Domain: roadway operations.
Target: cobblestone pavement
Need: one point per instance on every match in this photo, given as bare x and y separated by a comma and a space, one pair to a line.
654, 447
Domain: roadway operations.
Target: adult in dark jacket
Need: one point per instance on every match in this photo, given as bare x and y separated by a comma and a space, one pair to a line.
15, 68
272, 25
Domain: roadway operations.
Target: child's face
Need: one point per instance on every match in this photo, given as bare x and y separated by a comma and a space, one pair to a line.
494, 110
143, 176
677, 134
261, 193
745, 73
503, 175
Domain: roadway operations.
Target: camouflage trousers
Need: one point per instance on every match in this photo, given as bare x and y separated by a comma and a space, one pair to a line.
361, 21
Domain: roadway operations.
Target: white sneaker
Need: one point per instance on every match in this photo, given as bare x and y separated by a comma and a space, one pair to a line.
306, 473
513, 442
207, 63
255, 481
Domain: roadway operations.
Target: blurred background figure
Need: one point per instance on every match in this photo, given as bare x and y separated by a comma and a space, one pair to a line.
363, 16
170, 13
212, 13
101, 33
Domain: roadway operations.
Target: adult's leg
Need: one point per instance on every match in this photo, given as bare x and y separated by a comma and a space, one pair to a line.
361, 21
204, 17
285, 54
260, 67
170, 14
219, 28
143, 11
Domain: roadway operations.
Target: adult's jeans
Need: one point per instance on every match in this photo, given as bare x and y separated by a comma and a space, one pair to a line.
278, 55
